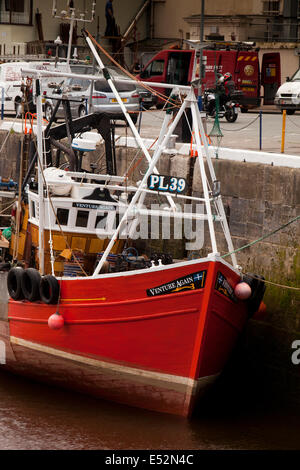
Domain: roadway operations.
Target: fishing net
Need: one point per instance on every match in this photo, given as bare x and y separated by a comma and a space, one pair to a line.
216, 133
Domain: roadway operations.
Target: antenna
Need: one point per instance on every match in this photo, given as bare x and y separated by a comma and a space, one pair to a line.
70, 14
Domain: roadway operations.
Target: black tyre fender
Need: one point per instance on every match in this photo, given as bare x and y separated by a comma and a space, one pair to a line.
258, 288
14, 283
48, 115
49, 289
80, 113
31, 284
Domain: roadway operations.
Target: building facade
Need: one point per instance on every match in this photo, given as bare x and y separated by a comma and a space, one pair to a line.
24, 21
273, 25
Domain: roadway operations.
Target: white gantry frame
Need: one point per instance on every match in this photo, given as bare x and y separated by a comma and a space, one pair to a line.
168, 127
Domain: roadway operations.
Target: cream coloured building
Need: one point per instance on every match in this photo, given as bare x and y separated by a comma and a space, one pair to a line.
272, 25
18, 21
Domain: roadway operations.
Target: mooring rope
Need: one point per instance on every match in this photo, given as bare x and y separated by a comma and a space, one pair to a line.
259, 240
241, 128
162, 96
262, 238
273, 283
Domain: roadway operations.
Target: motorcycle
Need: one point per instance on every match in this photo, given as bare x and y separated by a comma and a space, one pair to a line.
228, 109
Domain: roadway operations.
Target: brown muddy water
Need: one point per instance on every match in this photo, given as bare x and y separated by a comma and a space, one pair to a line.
35, 416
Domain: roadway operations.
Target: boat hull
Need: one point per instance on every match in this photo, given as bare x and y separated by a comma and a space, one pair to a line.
155, 339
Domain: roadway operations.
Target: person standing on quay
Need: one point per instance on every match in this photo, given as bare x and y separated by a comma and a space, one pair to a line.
110, 19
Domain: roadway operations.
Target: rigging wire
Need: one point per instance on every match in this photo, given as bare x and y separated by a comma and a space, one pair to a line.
133, 77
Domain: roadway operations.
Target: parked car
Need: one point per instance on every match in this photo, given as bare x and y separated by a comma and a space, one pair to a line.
288, 95
147, 98
79, 91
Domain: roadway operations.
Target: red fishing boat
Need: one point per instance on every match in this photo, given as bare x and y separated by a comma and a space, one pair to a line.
151, 333
152, 339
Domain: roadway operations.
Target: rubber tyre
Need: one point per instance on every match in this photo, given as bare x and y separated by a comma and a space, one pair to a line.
48, 111
134, 118
31, 284
49, 289
14, 283
82, 111
231, 116
244, 110
289, 112
18, 108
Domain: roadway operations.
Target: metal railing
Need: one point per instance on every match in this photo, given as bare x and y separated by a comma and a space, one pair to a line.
270, 31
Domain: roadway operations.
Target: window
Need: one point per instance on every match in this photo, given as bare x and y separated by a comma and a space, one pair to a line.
33, 209
78, 81
82, 218
63, 216
155, 68
271, 7
101, 221
16, 12
103, 87
15, 5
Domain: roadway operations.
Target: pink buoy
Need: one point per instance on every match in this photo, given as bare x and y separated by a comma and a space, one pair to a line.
242, 291
56, 321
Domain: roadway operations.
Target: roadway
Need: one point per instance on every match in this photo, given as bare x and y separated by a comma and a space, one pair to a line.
243, 134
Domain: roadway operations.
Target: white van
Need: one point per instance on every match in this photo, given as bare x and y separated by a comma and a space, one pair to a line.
11, 80
288, 94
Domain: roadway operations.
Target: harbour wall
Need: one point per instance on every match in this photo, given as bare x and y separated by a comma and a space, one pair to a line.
258, 198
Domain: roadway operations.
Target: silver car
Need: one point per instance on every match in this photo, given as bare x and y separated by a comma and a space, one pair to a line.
87, 97
147, 99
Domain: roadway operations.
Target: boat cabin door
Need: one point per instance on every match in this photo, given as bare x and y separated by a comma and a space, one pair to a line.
270, 76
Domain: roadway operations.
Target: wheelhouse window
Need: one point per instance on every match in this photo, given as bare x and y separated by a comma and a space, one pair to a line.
16, 12
33, 209
63, 216
101, 221
82, 219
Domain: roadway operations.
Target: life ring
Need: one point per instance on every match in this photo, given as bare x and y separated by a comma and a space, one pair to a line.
49, 289
14, 283
31, 284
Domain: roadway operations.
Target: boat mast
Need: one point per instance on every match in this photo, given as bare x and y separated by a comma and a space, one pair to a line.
71, 16
40, 176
